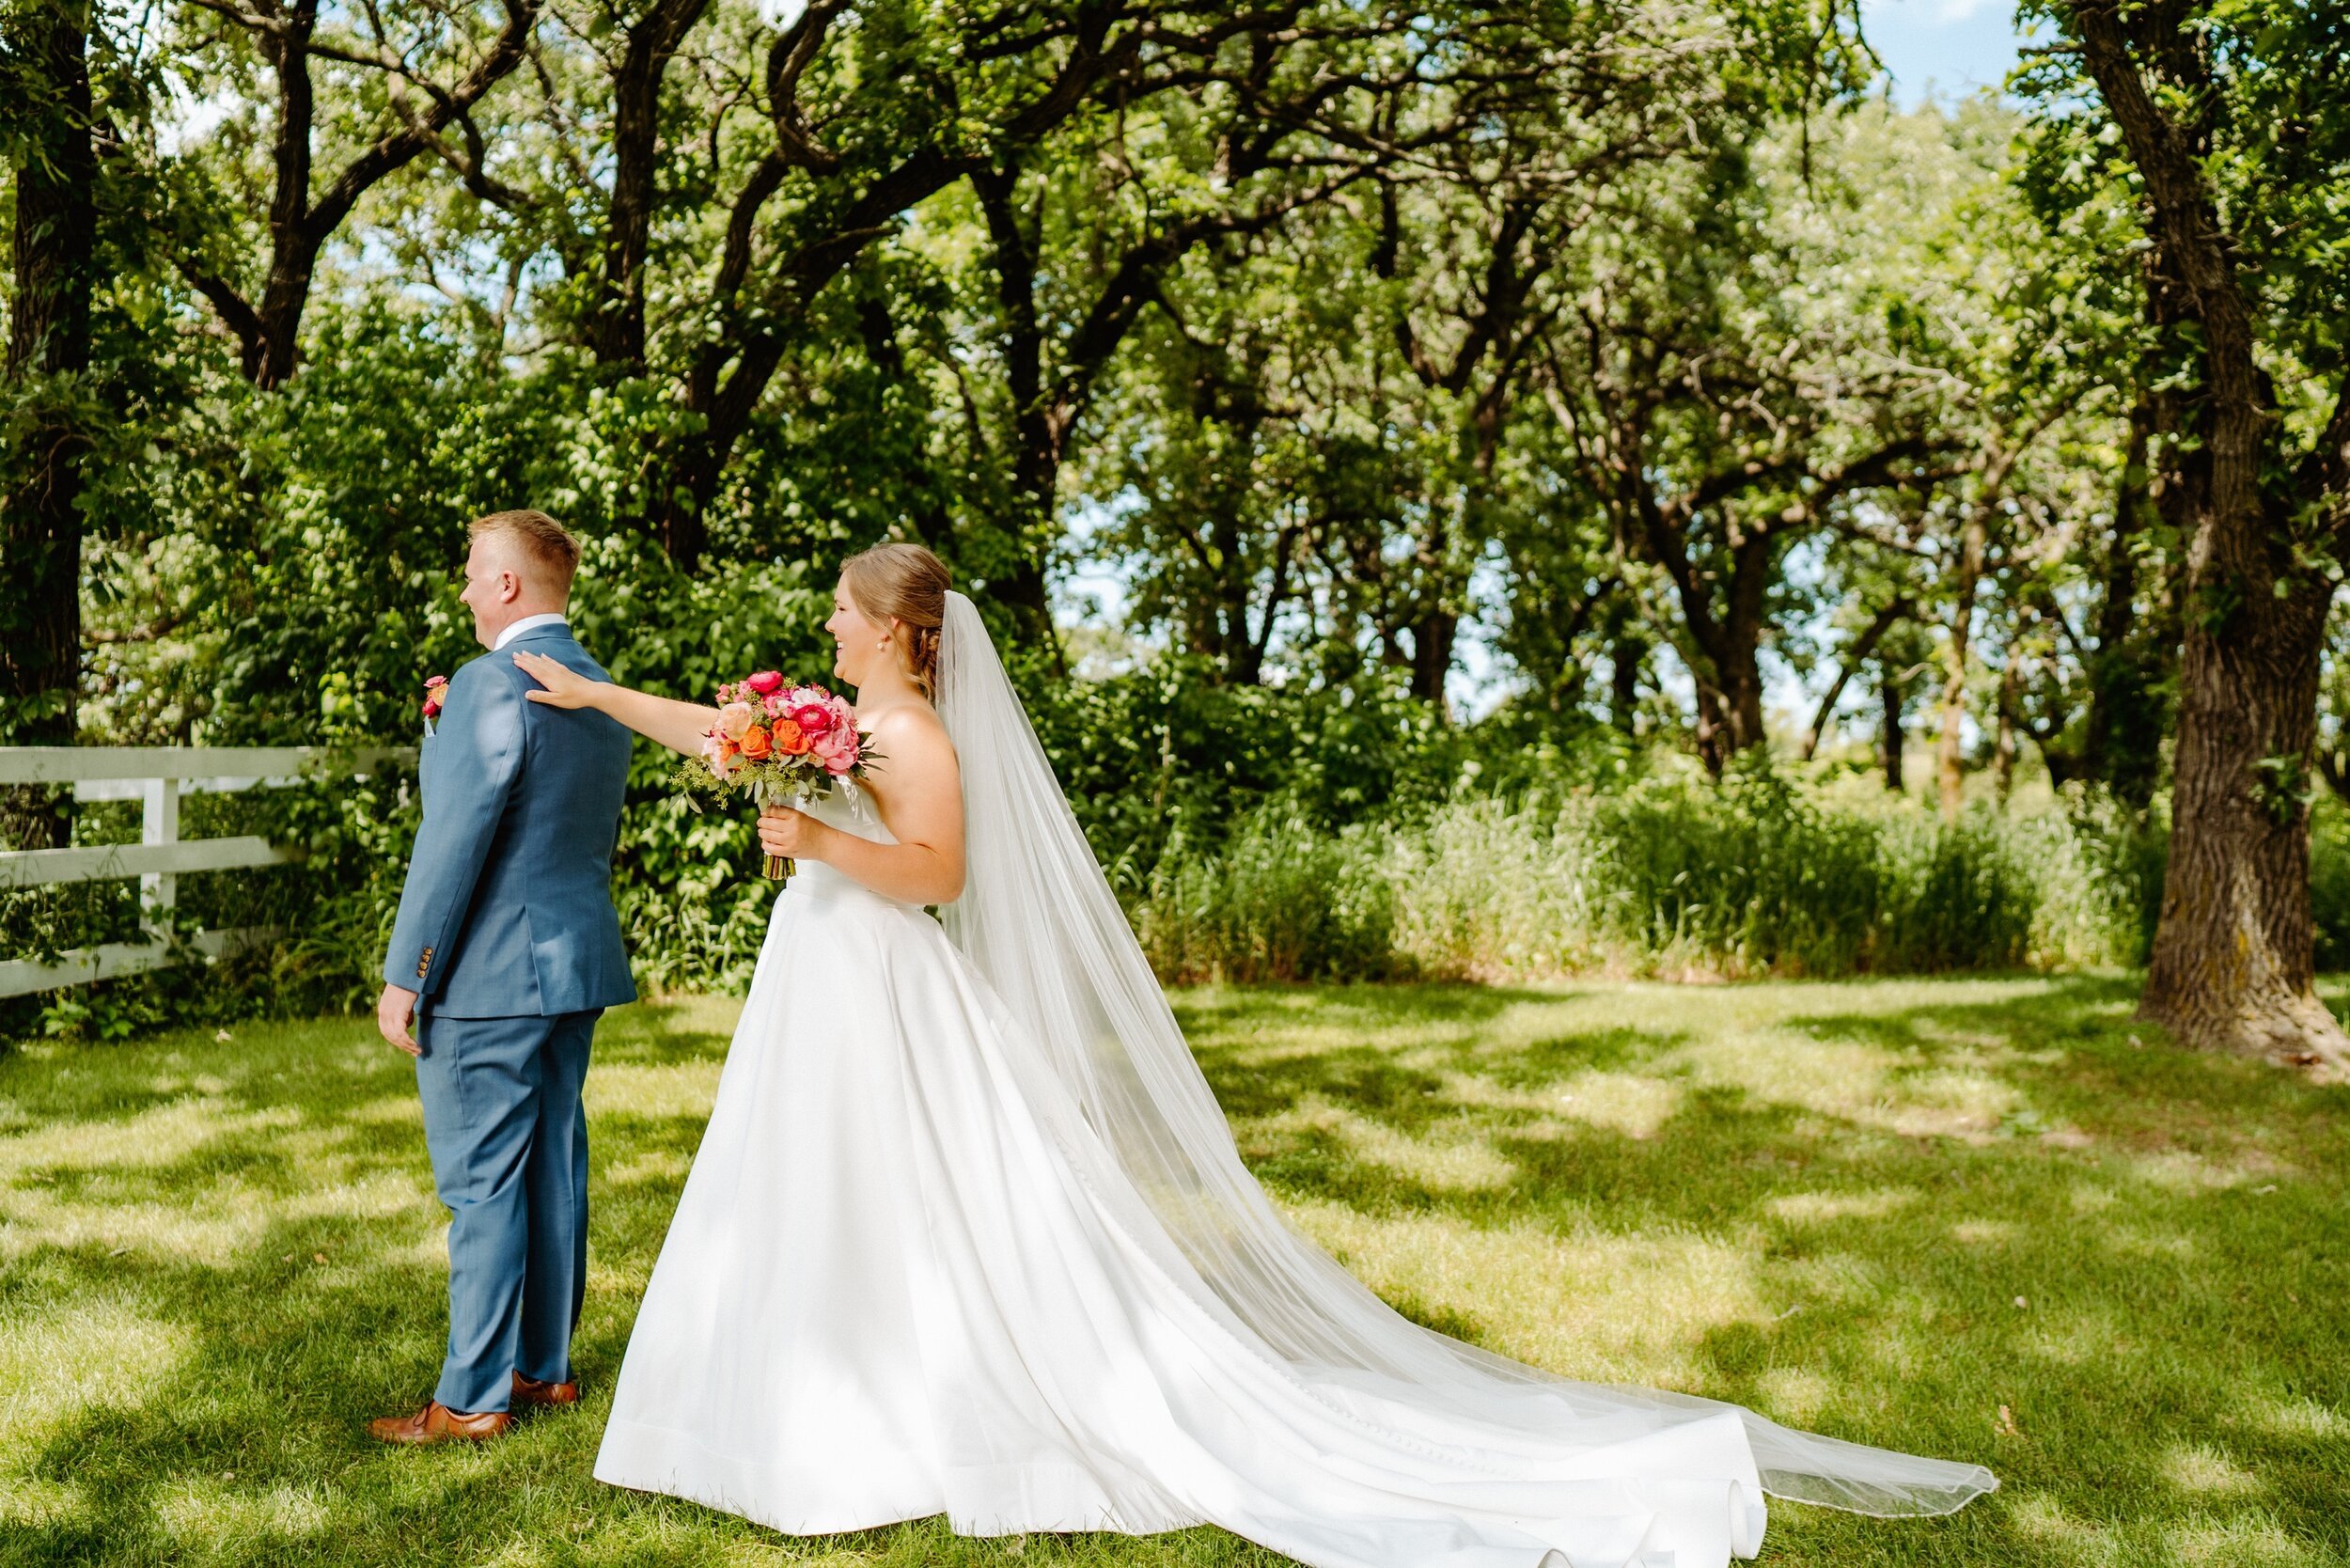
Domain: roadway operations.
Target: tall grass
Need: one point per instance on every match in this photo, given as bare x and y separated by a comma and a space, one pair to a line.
1755, 877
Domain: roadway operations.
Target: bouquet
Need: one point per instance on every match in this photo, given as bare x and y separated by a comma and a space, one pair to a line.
776, 743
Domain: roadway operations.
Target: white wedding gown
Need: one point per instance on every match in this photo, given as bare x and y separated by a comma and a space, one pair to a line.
914, 1272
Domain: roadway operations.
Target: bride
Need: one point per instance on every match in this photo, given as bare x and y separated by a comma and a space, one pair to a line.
968, 1234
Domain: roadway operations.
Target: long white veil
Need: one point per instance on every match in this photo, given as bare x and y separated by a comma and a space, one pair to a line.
1040, 923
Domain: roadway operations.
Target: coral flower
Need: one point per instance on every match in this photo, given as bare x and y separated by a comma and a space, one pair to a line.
755, 743
816, 720
788, 737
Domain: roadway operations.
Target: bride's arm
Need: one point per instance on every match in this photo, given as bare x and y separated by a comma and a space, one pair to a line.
679, 725
914, 781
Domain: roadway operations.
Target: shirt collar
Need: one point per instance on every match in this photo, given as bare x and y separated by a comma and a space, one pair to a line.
527, 623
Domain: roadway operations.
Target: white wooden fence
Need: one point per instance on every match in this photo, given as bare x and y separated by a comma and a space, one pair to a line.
157, 776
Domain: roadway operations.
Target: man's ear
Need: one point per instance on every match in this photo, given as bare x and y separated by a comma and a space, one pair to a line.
509, 587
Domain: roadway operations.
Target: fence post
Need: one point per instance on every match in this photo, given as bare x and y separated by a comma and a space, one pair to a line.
159, 824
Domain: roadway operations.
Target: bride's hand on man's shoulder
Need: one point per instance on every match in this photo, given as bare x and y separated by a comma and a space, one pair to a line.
559, 687
785, 831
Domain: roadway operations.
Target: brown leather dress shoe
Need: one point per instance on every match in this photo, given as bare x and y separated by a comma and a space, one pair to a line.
529, 1390
438, 1423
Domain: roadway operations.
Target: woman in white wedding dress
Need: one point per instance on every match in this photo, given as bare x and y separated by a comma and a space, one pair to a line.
968, 1234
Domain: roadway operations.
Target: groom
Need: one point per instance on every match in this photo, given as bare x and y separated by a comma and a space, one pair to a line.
505, 951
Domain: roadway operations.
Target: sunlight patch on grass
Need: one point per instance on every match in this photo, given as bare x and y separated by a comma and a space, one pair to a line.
32, 1500
375, 1196
221, 1517
58, 1363
1820, 1208
629, 1089
1830, 1278
2298, 1418
164, 1135
1865, 1085
2042, 1520
2185, 1170
2200, 1467
1596, 1306
1798, 1394
1452, 1157
33, 1222
1636, 1106
2237, 1542
392, 1110
653, 1167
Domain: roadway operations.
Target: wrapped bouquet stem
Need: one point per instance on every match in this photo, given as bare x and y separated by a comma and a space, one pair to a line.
779, 867
781, 745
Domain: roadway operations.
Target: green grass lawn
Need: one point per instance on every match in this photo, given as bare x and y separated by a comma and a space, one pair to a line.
1880, 1209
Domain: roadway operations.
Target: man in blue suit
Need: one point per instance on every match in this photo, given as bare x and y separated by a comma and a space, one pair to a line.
505, 951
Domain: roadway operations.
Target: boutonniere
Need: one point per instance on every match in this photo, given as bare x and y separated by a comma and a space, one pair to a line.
435, 688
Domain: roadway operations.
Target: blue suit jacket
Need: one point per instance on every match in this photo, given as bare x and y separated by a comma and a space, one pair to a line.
508, 908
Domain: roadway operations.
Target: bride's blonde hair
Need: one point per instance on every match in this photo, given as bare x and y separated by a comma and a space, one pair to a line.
907, 583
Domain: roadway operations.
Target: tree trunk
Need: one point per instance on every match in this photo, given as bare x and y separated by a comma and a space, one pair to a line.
2233, 961
2003, 755
616, 329
1951, 747
49, 346
1862, 646
1623, 691
1433, 637
2234, 964
1891, 739
2122, 743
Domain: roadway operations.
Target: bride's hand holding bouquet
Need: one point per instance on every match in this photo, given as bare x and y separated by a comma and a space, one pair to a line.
780, 743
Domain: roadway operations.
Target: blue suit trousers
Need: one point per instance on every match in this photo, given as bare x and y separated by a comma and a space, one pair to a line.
509, 1140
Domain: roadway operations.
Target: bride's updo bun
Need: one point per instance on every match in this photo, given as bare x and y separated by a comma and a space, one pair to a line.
906, 584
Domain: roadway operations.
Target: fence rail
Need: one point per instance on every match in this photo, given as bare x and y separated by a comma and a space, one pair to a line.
156, 777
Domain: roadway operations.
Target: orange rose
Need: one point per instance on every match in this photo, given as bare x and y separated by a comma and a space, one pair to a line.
787, 738
755, 743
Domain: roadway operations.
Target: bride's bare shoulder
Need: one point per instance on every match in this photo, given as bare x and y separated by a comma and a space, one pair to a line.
909, 734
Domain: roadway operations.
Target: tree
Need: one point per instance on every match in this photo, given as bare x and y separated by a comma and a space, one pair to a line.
50, 132
396, 112
2239, 146
1324, 404
1717, 402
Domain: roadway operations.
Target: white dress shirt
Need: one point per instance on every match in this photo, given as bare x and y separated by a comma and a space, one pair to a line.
527, 623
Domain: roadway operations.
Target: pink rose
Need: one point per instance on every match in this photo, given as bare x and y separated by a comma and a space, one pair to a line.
735, 718
717, 753
766, 680
774, 705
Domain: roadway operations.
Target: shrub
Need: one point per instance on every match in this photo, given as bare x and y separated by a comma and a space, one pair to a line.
1281, 900
1758, 876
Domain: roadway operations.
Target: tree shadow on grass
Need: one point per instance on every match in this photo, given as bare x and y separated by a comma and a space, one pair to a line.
1946, 1200
218, 1259
188, 1382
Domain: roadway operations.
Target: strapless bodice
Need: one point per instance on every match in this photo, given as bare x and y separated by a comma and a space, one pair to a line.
850, 810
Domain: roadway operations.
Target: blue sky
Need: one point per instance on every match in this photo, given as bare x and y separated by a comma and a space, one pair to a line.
1954, 45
